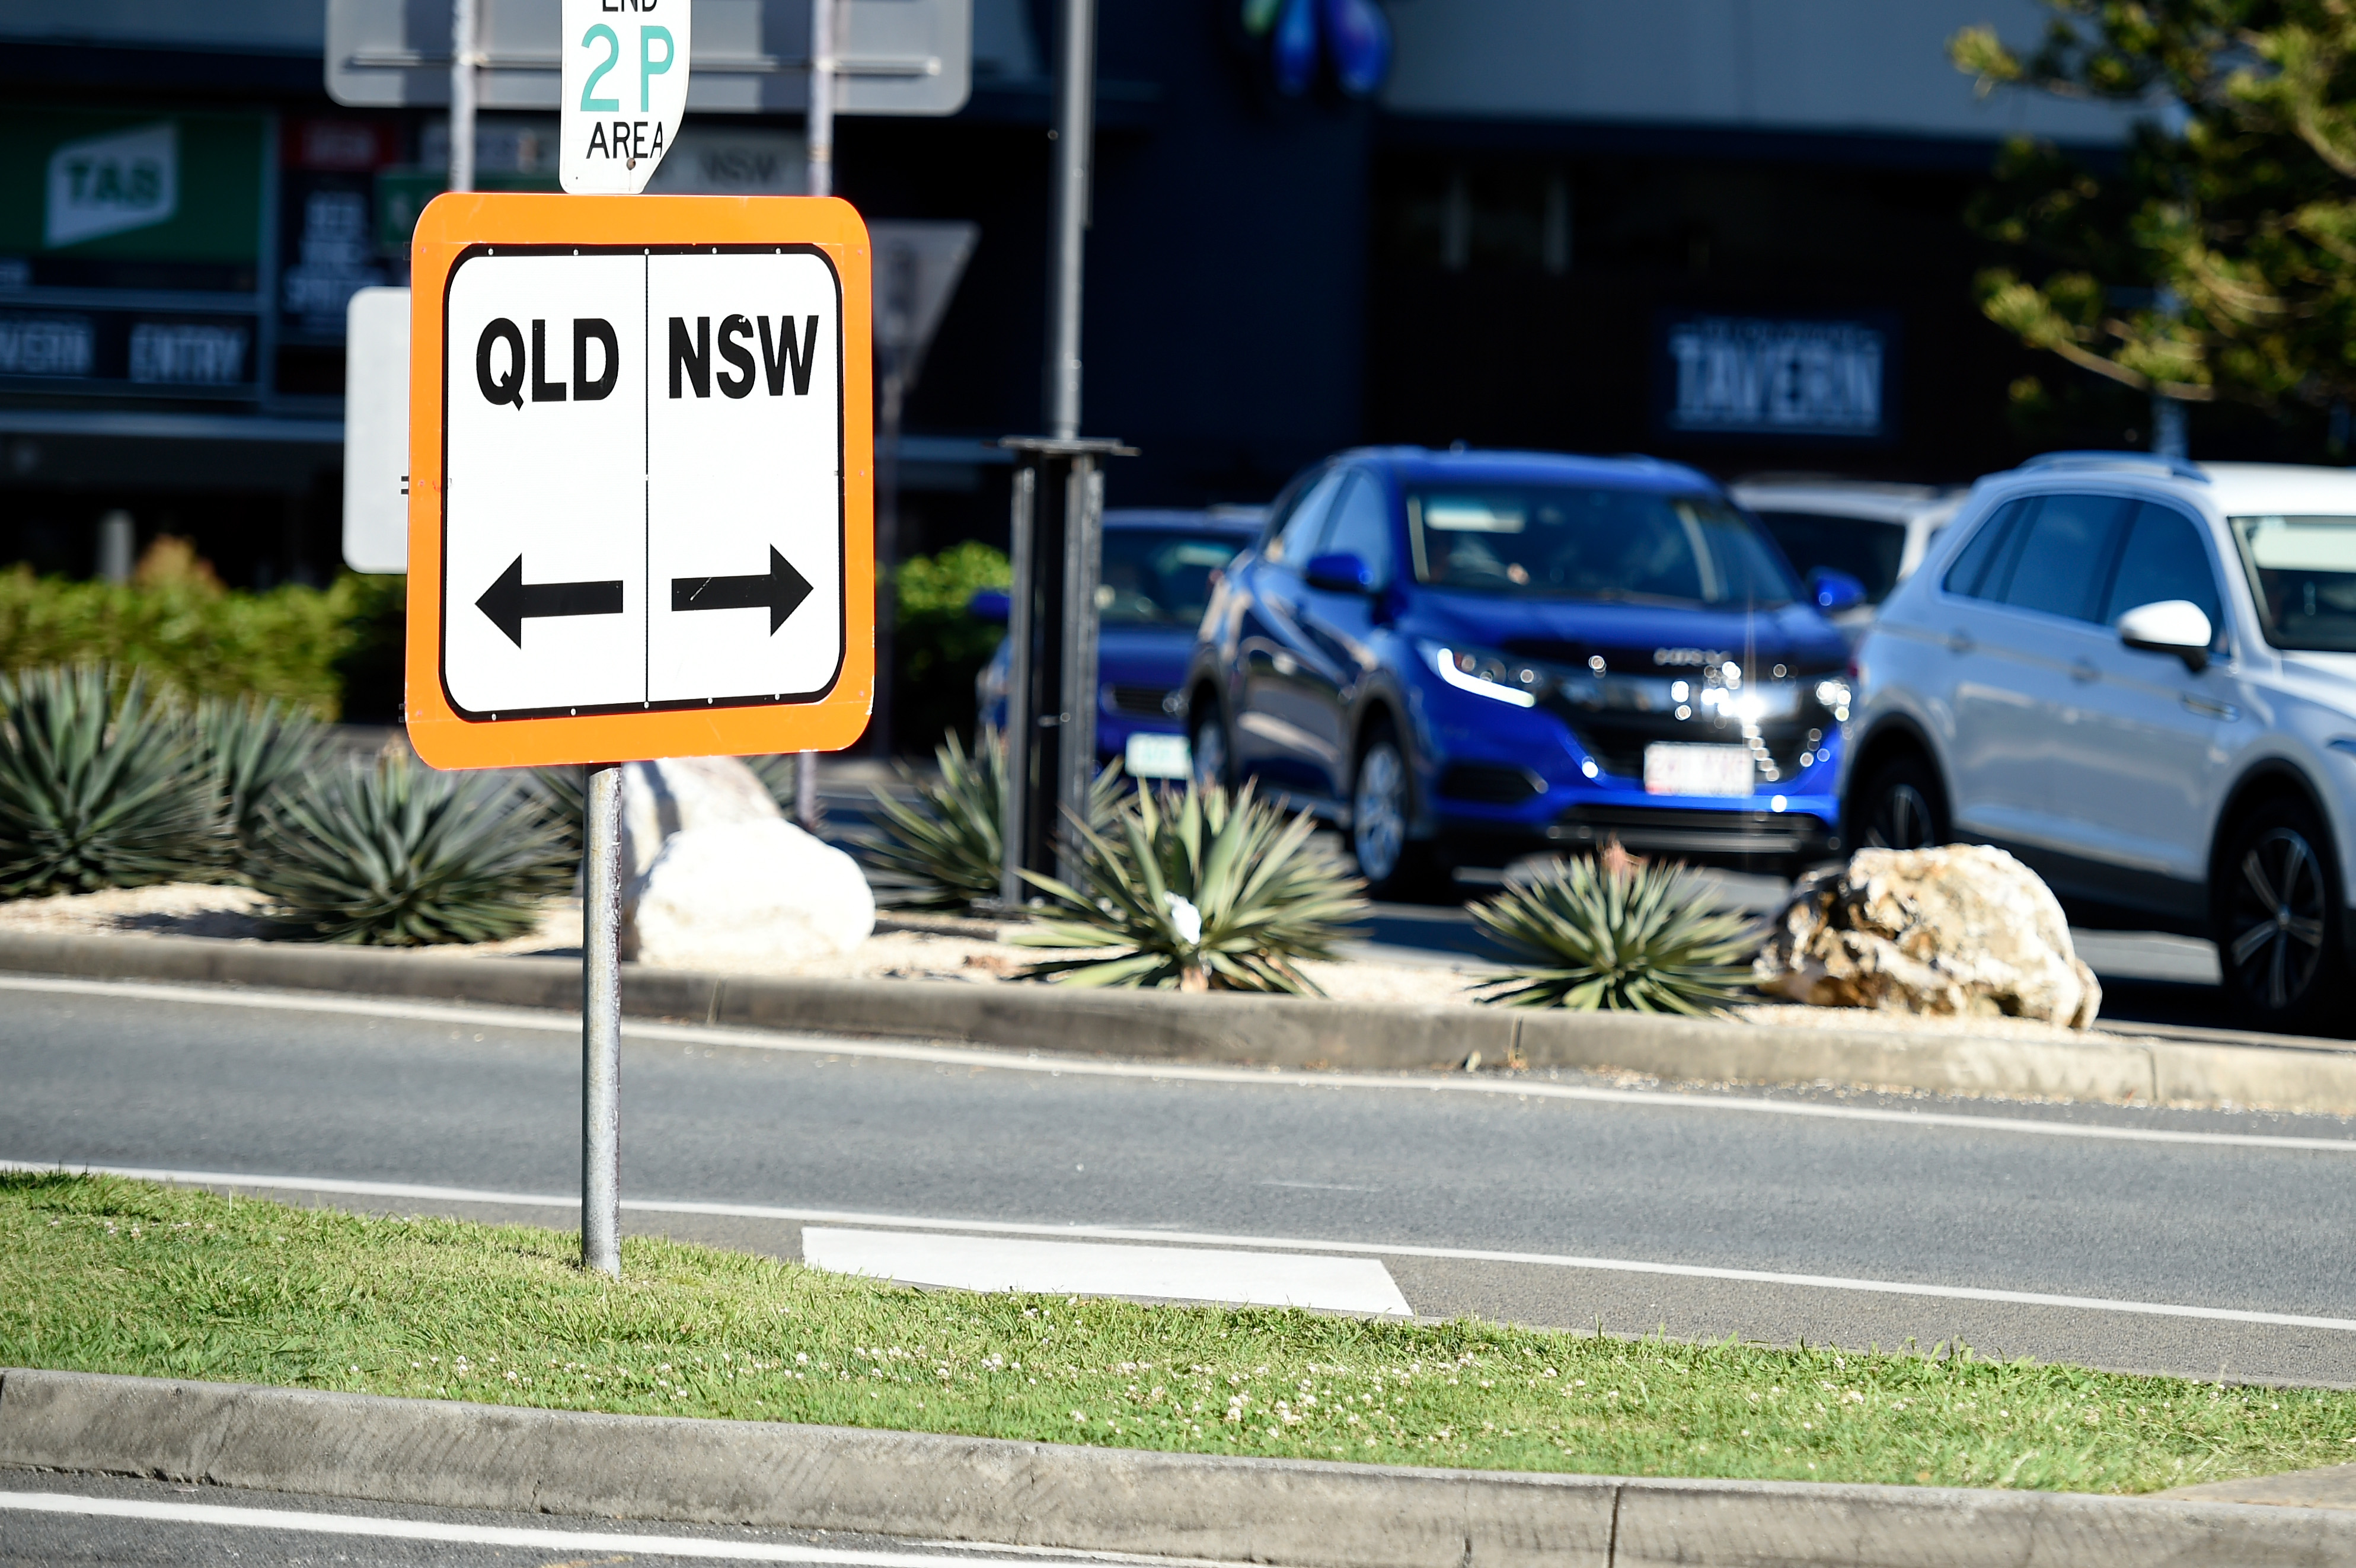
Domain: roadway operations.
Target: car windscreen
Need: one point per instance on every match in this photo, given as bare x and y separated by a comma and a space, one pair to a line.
1867, 549
2303, 572
1576, 541
1160, 577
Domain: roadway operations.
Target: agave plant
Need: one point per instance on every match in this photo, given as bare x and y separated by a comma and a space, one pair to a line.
563, 794
101, 785
392, 853
1619, 935
946, 851
1201, 892
254, 748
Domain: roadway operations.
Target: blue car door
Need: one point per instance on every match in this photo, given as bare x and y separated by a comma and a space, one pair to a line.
1338, 624
1270, 737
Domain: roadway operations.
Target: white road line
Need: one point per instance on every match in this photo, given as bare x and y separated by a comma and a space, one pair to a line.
1081, 1067
455, 1534
1212, 1239
1098, 1268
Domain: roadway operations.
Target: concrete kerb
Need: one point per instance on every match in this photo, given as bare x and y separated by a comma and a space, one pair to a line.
1042, 1495
1277, 1031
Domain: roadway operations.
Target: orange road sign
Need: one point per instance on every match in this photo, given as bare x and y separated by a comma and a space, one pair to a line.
641, 518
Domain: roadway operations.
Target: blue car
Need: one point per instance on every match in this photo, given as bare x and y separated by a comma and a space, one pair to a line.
1159, 567
1462, 657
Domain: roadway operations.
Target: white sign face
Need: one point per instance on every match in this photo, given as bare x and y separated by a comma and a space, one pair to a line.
625, 68
376, 430
642, 493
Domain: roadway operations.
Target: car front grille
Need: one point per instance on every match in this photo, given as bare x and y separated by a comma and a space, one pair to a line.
1141, 701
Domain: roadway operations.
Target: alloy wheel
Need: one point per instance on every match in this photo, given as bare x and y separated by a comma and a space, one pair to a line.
2275, 932
1902, 820
1378, 812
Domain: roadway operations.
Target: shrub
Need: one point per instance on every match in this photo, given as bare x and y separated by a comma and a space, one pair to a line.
254, 746
101, 785
1201, 892
937, 647
189, 635
947, 851
1622, 936
392, 853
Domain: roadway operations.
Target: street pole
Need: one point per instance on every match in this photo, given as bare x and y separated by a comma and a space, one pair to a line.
463, 54
601, 1020
1075, 134
818, 179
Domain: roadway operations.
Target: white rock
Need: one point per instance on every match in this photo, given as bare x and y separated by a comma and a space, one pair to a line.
1958, 931
659, 799
744, 895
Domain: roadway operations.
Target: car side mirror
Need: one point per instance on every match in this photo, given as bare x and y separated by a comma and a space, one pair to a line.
2175, 626
1340, 572
1834, 590
991, 605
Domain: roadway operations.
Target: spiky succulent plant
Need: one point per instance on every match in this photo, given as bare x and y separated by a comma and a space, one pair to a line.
945, 850
101, 785
1198, 891
391, 853
254, 747
563, 794
1621, 935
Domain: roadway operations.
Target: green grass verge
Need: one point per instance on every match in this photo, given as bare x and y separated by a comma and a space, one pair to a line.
104, 1276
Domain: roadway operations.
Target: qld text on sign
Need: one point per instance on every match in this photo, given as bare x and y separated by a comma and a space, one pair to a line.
652, 465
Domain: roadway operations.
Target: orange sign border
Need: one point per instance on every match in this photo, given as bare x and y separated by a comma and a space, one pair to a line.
454, 222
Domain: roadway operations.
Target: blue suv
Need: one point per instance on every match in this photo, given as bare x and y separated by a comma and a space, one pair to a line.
1462, 657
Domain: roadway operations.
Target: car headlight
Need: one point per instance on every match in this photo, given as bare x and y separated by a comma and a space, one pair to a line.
1486, 673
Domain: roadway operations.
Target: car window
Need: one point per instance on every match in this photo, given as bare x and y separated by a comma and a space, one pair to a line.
2061, 557
1362, 527
2302, 570
2164, 558
1968, 576
1298, 538
1159, 577
1868, 549
1581, 541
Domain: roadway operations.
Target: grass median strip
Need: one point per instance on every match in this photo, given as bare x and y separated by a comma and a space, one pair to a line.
109, 1276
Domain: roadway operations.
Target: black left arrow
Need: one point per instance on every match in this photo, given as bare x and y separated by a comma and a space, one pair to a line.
510, 602
780, 590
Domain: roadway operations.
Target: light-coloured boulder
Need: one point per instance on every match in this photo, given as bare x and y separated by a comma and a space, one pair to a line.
659, 799
1958, 931
744, 895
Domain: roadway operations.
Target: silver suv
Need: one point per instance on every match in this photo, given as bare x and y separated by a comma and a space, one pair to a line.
2139, 675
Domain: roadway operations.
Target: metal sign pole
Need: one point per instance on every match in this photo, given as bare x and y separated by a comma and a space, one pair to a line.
818, 179
463, 56
601, 1020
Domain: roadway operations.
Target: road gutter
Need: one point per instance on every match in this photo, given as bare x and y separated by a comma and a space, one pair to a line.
1278, 1032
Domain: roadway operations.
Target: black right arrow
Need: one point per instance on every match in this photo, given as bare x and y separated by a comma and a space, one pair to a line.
780, 590
510, 602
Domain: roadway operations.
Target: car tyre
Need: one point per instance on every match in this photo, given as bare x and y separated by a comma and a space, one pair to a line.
1902, 807
2277, 907
1382, 804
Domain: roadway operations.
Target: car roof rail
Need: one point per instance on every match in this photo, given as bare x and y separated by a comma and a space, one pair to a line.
2178, 466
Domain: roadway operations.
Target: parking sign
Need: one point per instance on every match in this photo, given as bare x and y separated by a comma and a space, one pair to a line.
640, 511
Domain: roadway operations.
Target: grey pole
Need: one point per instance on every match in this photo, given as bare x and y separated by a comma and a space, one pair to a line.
601, 1020
463, 59
818, 179
1075, 134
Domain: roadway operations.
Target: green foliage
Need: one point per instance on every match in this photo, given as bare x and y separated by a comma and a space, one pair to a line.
190, 636
1621, 936
99, 1274
945, 852
394, 854
254, 746
564, 795
1200, 892
937, 647
2219, 259
101, 785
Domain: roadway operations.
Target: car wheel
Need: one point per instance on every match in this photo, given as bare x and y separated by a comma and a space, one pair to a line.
1382, 802
2277, 913
1207, 742
1902, 806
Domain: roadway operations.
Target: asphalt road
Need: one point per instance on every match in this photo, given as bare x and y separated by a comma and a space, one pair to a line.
1557, 1202
51, 1521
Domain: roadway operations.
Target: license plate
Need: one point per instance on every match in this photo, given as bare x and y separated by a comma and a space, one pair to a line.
1671, 768
1158, 757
